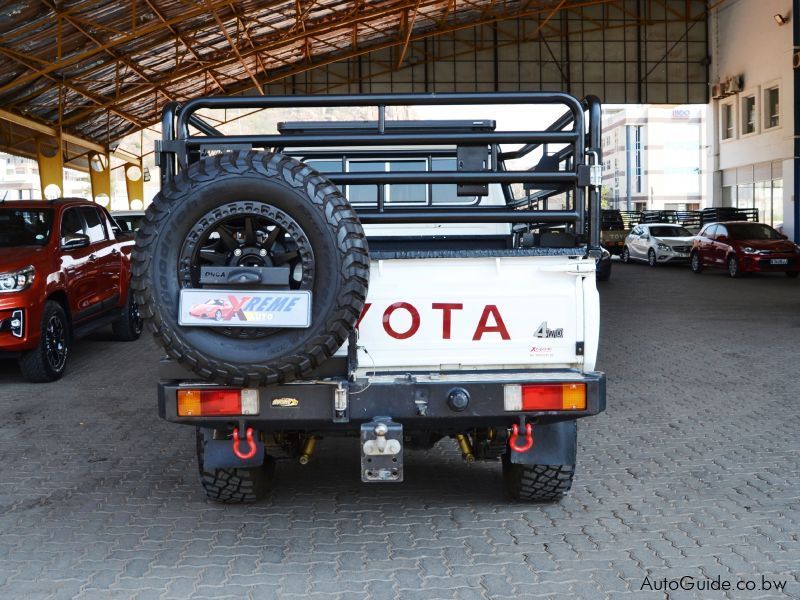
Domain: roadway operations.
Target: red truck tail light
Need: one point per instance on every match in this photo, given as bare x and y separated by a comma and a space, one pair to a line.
545, 396
211, 402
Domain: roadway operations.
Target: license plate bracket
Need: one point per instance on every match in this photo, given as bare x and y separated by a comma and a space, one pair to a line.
244, 308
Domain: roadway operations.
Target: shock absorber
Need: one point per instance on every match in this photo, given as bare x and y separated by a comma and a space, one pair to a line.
466, 448
308, 449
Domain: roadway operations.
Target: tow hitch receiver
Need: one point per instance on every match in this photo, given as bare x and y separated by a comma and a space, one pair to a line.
381, 450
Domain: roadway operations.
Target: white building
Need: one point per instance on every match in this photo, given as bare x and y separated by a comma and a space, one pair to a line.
654, 157
751, 124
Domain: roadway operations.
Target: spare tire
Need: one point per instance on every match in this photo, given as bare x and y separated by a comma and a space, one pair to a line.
246, 209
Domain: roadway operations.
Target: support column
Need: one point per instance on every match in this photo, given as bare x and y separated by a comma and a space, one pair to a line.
796, 108
134, 184
100, 177
51, 167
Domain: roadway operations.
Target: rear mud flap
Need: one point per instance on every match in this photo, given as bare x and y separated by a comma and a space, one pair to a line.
218, 454
381, 450
553, 444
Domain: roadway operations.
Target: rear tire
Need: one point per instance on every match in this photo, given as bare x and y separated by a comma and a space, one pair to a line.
47, 361
536, 483
129, 327
234, 486
733, 266
626, 255
695, 263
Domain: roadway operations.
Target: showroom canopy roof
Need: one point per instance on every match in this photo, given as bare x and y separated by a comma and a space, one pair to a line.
101, 69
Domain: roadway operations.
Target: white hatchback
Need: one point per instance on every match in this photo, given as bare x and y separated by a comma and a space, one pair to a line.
657, 243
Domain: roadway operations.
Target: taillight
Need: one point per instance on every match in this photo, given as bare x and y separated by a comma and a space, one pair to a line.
211, 402
545, 396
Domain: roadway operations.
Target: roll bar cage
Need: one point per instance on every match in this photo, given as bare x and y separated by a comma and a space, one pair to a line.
577, 133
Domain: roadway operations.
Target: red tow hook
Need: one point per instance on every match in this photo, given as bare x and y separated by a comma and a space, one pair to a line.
512, 441
251, 445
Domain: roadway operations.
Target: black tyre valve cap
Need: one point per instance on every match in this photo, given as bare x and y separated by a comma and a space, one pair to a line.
458, 399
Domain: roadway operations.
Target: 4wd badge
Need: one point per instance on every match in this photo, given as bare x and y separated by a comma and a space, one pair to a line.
285, 402
546, 332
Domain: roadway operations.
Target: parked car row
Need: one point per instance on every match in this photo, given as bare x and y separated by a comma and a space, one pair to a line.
737, 246
615, 225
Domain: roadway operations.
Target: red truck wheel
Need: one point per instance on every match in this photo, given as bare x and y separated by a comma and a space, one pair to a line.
129, 326
47, 361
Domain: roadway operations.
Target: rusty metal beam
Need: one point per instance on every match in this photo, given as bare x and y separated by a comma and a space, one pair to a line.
53, 132
409, 29
183, 41
362, 18
234, 46
98, 43
101, 101
77, 58
265, 47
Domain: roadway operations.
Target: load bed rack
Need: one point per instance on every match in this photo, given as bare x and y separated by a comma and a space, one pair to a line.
567, 154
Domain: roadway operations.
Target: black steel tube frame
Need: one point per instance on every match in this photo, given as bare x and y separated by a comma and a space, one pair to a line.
582, 140
460, 215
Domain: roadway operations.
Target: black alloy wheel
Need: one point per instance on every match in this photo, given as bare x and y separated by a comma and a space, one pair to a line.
55, 343
256, 235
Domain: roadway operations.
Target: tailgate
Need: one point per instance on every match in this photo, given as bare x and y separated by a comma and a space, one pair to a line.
482, 312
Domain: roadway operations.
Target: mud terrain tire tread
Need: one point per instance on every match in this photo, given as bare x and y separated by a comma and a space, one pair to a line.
235, 486
350, 243
536, 483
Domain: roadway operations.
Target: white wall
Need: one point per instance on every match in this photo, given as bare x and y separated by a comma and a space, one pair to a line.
745, 40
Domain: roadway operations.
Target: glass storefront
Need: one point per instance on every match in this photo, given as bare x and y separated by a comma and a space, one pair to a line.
766, 196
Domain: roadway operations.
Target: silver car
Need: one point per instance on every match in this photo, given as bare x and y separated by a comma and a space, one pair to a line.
657, 243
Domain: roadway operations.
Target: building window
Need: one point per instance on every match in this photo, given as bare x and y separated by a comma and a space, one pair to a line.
637, 157
744, 195
728, 193
726, 121
772, 113
748, 115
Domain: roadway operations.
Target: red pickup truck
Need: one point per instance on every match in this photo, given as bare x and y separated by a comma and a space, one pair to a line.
64, 272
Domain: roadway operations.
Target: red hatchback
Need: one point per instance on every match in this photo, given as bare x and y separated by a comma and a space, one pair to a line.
744, 247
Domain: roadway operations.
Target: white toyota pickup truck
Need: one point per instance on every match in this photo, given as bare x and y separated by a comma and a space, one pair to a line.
394, 281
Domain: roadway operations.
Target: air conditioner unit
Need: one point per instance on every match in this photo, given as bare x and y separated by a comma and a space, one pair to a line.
716, 91
796, 60
733, 85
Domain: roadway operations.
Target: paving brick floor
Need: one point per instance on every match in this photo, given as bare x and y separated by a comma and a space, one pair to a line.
692, 471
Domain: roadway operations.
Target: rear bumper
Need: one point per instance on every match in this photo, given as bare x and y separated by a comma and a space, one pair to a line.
418, 401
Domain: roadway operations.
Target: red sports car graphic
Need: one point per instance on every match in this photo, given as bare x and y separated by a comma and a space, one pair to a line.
215, 308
